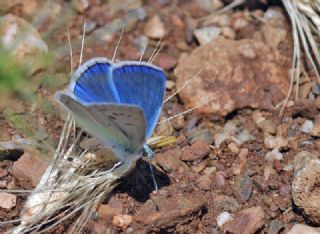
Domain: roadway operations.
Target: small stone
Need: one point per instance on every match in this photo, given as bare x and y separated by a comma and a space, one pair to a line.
233, 148
206, 35
170, 84
307, 126
268, 125
29, 168
224, 218
209, 170
239, 24
305, 108
275, 227
106, 211
238, 166
242, 188
284, 190
220, 179
197, 151
305, 191
272, 142
316, 128
204, 135
303, 229
246, 221
80, 5
7, 200
166, 62
305, 90
200, 167
226, 203
205, 183
228, 32
155, 28
316, 89
3, 184
219, 138
168, 160
171, 211
90, 26
99, 227
3, 172
122, 221
273, 36
244, 136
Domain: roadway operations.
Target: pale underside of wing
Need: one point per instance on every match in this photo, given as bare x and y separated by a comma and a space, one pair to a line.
119, 127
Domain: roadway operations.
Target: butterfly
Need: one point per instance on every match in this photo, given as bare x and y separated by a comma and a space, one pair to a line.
118, 103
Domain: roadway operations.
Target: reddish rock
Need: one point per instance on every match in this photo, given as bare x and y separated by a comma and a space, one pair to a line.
29, 168
248, 74
163, 212
246, 221
169, 160
106, 211
205, 183
165, 61
196, 151
305, 108
122, 221
7, 200
3, 172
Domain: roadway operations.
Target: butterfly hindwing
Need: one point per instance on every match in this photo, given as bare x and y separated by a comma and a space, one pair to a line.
141, 84
93, 83
116, 125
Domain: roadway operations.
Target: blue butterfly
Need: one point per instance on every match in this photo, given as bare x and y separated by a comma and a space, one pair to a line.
119, 103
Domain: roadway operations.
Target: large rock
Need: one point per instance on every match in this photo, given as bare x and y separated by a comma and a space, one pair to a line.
301, 228
305, 185
29, 169
23, 42
246, 72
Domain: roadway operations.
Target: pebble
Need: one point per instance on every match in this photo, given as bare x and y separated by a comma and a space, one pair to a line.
246, 221
237, 167
242, 188
170, 84
316, 128
122, 221
273, 36
106, 211
239, 24
304, 90
7, 200
219, 138
205, 182
228, 32
307, 126
303, 229
209, 170
275, 227
204, 135
169, 160
207, 34
80, 5
90, 26
268, 125
226, 203
29, 168
273, 142
220, 179
233, 148
304, 185
166, 61
170, 211
3, 184
197, 151
23, 41
224, 218
3, 173
155, 28
316, 89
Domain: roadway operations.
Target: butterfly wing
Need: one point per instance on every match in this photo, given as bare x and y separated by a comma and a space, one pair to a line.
92, 82
141, 84
117, 126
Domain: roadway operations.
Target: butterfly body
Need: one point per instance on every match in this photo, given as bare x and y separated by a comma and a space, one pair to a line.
119, 103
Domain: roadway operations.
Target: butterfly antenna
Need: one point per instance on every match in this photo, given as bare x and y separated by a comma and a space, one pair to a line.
158, 51
70, 48
117, 46
192, 109
82, 42
153, 52
184, 85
